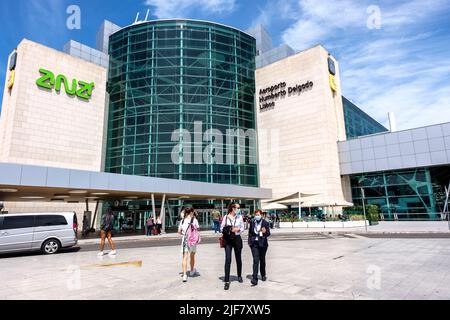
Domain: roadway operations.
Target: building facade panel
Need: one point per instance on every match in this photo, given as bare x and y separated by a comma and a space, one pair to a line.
298, 135
415, 148
40, 126
46, 127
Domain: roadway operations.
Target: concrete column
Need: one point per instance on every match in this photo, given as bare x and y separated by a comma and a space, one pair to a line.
299, 205
162, 214
153, 207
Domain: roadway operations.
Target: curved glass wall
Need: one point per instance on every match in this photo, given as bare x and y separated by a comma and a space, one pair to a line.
169, 75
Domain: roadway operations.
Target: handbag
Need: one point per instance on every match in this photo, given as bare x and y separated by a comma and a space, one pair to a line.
221, 242
227, 235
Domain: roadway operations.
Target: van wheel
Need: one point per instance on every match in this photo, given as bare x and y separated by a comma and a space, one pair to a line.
51, 246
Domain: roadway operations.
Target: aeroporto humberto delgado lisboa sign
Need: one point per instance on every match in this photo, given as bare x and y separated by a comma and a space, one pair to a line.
267, 96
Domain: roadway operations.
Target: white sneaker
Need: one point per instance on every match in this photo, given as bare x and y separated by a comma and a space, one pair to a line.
113, 252
101, 254
184, 277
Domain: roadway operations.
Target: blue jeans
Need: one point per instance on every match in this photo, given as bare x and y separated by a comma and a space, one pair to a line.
216, 226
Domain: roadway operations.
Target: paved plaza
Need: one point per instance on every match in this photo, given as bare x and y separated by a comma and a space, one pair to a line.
300, 266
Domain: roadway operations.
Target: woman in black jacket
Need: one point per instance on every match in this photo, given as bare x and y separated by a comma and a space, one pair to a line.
258, 232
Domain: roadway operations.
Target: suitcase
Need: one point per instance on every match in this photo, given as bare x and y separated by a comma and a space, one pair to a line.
154, 232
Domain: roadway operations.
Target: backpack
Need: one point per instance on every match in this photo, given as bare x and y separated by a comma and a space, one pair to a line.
193, 235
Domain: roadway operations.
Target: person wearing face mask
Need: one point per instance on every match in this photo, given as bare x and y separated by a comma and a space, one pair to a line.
231, 227
258, 233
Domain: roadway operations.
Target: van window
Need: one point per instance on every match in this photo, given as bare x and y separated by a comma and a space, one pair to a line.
17, 222
50, 220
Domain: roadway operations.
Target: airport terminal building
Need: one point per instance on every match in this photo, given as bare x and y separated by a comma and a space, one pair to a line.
170, 90
167, 113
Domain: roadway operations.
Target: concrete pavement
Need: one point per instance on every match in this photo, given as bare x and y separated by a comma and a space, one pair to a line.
382, 227
321, 267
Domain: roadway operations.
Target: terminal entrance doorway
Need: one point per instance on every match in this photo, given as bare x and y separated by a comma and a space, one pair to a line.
130, 220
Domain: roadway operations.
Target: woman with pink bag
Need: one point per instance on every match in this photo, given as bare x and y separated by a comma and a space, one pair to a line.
189, 229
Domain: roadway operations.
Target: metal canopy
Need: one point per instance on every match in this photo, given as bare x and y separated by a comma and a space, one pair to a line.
19, 182
273, 206
312, 200
295, 196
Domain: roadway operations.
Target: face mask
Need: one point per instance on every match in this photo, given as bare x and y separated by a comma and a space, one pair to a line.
238, 212
258, 218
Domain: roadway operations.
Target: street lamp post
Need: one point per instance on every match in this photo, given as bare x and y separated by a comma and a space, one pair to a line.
364, 208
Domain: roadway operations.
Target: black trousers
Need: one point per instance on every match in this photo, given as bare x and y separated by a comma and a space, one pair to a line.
237, 246
259, 259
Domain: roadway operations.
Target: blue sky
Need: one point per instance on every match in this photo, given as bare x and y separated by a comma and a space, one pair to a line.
394, 55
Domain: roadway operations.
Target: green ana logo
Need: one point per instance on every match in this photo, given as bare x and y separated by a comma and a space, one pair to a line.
82, 89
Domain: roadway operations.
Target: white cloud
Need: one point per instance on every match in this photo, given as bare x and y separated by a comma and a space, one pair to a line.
400, 75
319, 20
402, 67
329, 18
182, 8
304, 34
411, 12
283, 10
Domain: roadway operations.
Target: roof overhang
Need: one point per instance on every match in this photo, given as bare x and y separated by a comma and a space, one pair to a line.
40, 183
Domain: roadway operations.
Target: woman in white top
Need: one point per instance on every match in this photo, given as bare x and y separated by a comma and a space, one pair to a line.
158, 224
189, 218
231, 227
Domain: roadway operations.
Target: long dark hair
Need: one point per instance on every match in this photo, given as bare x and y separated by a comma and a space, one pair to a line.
231, 207
188, 211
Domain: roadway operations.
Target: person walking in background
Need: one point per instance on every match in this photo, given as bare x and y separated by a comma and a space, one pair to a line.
149, 226
258, 233
106, 229
216, 220
231, 227
120, 223
189, 229
293, 216
158, 224
85, 229
249, 218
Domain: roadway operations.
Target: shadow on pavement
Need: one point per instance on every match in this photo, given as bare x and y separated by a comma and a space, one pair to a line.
36, 253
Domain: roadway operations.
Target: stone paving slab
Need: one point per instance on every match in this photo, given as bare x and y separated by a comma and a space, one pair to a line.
403, 227
326, 268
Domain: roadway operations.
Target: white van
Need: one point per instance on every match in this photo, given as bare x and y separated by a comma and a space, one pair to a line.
47, 232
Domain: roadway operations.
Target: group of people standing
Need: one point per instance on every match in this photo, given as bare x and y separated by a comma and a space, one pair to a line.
231, 227
153, 227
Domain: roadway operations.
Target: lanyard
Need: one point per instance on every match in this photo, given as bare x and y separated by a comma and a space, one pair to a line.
235, 218
258, 226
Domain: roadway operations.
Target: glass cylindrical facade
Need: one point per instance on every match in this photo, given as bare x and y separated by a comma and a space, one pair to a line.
183, 75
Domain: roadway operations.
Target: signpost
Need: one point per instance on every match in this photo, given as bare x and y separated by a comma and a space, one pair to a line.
364, 208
